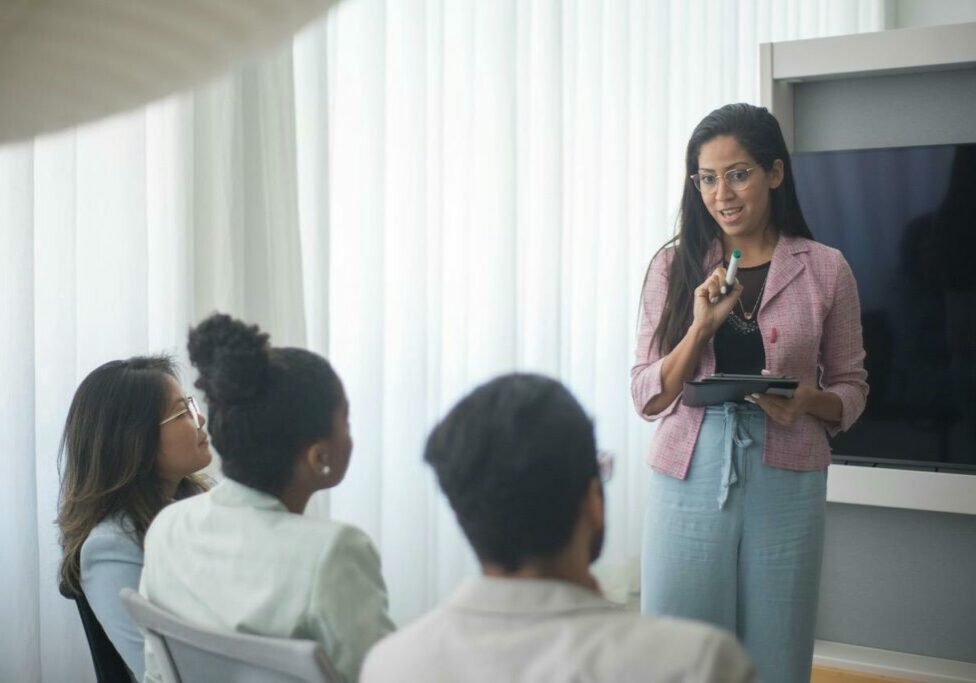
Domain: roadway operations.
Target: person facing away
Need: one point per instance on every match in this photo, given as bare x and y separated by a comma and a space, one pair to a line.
734, 528
243, 557
517, 461
132, 442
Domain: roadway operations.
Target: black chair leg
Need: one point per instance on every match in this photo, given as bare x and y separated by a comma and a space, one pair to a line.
109, 665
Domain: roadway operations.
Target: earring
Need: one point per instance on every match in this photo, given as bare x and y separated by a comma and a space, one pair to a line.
326, 469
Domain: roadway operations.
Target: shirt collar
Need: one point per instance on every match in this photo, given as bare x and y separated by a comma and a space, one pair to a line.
234, 494
497, 595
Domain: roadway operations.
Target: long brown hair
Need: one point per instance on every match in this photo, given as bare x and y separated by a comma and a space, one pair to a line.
759, 133
108, 454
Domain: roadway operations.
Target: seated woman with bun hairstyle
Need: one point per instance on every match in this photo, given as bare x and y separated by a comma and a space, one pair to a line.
243, 557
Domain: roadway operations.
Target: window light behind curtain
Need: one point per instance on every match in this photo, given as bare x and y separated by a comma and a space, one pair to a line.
427, 192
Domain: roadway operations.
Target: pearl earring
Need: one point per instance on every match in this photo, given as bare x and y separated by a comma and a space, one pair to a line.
326, 469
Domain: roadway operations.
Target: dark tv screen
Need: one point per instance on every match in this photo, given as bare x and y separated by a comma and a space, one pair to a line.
905, 220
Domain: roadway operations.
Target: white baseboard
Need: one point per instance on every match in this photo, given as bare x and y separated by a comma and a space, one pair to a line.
895, 664
909, 489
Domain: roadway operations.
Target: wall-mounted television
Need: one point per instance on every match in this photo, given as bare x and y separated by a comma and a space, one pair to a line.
905, 219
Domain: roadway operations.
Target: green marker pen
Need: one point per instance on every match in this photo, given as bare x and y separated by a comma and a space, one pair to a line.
730, 274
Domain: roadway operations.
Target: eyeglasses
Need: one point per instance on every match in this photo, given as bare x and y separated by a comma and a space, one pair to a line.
190, 406
604, 462
736, 179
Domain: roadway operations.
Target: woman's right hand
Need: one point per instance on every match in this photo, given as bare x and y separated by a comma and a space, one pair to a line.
680, 363
711, 306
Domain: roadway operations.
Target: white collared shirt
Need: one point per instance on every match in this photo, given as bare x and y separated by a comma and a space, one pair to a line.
548, 631
235, 558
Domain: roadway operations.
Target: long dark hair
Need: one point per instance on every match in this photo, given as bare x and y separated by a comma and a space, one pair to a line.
759, 133
107, 458
265, 403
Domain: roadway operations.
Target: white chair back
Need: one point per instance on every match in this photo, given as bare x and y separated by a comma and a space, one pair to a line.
194, 654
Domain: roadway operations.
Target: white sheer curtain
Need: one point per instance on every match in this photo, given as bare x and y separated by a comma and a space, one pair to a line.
429, 192
499, 175
113, 239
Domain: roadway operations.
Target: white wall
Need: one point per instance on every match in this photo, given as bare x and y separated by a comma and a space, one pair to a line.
915, 13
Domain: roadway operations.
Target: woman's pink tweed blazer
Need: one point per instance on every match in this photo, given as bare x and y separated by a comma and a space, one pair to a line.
810, 315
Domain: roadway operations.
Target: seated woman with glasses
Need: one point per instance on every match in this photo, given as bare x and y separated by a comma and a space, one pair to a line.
243, 557
131, 445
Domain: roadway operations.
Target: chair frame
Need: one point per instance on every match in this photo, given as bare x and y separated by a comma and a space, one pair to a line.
302, 659
106, 660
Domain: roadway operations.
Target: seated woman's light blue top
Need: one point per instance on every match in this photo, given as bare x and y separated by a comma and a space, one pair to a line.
111, 560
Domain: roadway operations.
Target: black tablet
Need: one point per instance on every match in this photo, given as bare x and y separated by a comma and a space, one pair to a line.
723, 387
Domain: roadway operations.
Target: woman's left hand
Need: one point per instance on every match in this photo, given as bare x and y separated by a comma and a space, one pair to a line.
782, 410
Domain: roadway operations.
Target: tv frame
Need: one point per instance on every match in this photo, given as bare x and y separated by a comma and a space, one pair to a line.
855, 457
917, 50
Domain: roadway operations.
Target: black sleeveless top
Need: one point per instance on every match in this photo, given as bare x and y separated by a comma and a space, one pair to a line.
738, 342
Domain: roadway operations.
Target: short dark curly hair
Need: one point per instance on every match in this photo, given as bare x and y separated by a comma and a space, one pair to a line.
514, 458
266, 403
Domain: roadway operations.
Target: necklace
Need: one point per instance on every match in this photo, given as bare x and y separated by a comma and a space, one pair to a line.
755, 306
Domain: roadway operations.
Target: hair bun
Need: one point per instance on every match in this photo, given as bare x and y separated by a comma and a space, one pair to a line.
232, 359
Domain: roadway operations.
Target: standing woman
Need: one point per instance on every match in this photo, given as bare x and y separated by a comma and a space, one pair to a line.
131, 445
734, 527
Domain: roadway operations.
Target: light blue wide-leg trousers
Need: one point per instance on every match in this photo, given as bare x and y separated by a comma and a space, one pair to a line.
739, 544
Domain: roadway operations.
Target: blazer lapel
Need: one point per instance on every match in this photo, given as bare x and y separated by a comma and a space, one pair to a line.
784, 267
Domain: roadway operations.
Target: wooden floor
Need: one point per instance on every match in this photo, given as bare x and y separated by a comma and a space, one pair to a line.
824, 675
